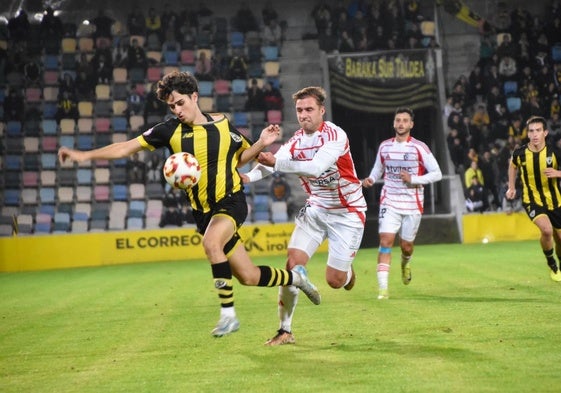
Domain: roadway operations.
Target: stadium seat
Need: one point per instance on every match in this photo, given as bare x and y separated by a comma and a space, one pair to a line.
101, 193
50, 62
137, 191
67, 140
187, 57
47, 178
85, 142
170, 57
67, 126
279, 211
119, 124
136, 122
119, 192
50, 78
65, 194
48, 161
85, 125
237, 39
14, 128
239, 86
274, 116
154, 73
272, 68
206, 104
270, 53
12, 197
241, 119
69, 45
222, 86
102, 92
86, 44
85, 108
47, 195
49, 126
31, 162
50, 93
29, 196
33, 94
14, 145
66, 176
13, 162
30, 179
134, 223
513, 104
205, 88
102, 124
79, 226
101, 175
83, 194
49, 144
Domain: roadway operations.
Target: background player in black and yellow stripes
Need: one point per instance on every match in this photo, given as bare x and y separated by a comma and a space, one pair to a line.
218, 202
538, 165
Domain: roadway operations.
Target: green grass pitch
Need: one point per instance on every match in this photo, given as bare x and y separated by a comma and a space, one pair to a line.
476, 318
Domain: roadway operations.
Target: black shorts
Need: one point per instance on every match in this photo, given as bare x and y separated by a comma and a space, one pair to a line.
232, 205
534, 211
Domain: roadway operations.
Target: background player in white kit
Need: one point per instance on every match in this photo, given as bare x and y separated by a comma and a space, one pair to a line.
406, 165
335, 209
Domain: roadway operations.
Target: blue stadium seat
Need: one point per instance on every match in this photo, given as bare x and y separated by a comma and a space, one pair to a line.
241, 119
205, 88
171, 57
270, 53
237, 39
14, 128
49, 126
120, 192
239, 86
119, 124
47, 195
12, 197
13, 162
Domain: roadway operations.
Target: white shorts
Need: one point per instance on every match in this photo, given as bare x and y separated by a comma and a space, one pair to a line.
343, 232
392, 221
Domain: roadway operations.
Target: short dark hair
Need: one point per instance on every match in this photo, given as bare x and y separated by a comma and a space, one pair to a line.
537, 119
312, 91
182, 82
403, 109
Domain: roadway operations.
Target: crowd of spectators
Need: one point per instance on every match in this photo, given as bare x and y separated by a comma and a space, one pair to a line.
130, 43
518, 75
357, 25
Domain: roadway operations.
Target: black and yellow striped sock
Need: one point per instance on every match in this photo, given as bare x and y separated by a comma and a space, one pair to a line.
273, 277
222, 275
550, 260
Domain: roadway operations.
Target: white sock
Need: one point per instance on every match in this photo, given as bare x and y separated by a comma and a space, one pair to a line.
288, 298
383, 273
227, 312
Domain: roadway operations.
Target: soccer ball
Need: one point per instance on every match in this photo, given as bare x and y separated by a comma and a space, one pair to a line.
182, 170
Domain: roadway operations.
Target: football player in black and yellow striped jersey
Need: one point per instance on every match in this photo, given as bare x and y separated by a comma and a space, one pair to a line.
538, 164
218, 201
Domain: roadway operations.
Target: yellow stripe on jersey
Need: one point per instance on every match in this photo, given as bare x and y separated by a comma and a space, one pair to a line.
200, 144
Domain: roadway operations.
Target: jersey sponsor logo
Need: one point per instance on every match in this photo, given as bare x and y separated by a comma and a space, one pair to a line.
235, 137
188, 135
323, 181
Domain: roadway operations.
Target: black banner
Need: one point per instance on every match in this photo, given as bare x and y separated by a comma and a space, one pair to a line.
379, 82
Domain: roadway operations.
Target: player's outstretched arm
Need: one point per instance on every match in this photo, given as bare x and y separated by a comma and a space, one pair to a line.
109, 152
